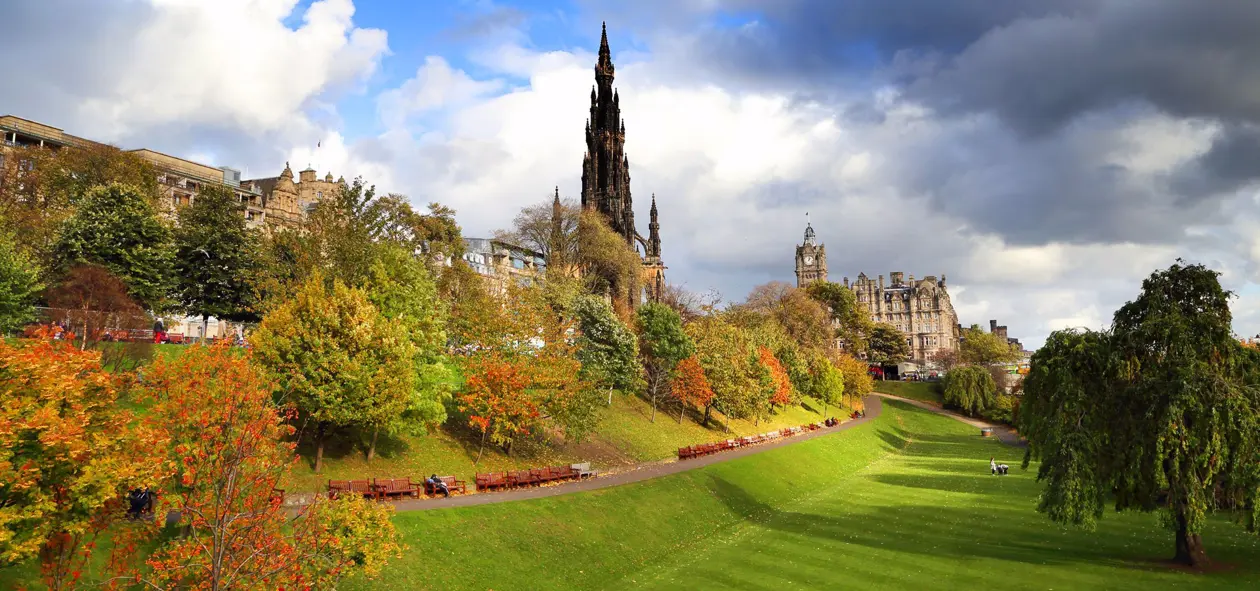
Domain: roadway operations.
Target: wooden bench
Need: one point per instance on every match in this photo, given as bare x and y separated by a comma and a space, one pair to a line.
396, 487
362, 487
492, 481
521, 478
452, 485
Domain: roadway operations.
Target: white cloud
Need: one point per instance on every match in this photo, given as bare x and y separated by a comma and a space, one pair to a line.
231, 63
435, 86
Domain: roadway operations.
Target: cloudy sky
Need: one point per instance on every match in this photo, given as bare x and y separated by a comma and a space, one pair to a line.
1045, 155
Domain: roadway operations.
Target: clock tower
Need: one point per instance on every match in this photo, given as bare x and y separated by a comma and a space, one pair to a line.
811, 260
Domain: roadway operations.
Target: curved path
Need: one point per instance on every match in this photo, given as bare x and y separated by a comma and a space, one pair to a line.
647, 471
1003, 433
643, 472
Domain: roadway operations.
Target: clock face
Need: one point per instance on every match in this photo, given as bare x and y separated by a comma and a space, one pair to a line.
809, 260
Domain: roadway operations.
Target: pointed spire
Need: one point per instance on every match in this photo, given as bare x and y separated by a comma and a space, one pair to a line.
604, 67
288, 172
556, 202
654, 232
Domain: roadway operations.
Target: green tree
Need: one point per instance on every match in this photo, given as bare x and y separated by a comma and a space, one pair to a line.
887, 345
41, 188
332, 355
19, 286
970, 389
830, 385
1160, 414
215, 258
117, 227
725, 355
400, 287
664, 344
853, 324
985, 348
606, 348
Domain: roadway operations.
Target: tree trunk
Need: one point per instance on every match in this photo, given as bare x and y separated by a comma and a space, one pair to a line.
708, 409
205, 327
1190, 551
682, 408
482, 448
372, 447
610, 397
319, 447
653, 417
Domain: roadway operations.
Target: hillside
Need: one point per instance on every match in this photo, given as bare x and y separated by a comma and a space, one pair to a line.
624, 437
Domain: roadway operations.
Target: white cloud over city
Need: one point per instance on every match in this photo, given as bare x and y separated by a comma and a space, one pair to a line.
1040, 225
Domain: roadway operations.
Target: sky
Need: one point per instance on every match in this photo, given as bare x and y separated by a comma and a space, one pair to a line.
1043, 155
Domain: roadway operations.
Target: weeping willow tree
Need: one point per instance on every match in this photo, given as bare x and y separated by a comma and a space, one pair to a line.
1160, 414
970, 389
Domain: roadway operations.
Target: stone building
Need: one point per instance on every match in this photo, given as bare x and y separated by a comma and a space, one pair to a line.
286, 202
811, 259
269, 202
1001, 333
920, 309
179, 179
606, 176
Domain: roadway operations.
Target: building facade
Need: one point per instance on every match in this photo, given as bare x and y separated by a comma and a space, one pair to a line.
286, 201
502, 263
919, 309
606, 177
269, 202
811, 259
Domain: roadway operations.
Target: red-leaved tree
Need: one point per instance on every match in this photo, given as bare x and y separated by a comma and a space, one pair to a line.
496, 401
782, 383
689, 386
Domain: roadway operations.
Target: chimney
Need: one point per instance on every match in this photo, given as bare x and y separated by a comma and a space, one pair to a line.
881, 282
895, 277
992, 326
846, 281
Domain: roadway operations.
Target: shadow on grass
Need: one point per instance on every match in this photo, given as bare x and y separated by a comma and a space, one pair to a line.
940, 532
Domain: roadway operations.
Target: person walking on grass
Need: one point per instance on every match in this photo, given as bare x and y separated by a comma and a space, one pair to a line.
992, 467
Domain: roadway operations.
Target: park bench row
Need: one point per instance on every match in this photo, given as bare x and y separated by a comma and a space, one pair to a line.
387, 488
534, 476
704, 449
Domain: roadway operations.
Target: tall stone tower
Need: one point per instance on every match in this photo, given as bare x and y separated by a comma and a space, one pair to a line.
653, 266
605, 167
811, 259
606, 181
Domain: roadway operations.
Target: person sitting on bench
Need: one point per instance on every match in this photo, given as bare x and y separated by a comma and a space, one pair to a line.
139, 501
438, 485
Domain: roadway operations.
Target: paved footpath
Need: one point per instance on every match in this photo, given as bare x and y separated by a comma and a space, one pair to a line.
1004, 433
642, 472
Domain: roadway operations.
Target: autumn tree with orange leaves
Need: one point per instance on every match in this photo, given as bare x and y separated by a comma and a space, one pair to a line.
495, 400
228, 450
67, 453
689, 386
783, 392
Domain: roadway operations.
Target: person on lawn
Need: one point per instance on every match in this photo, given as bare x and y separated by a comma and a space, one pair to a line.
438, 485
992, 467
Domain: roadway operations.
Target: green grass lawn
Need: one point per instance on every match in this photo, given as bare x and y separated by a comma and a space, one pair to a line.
921, 391
905, 502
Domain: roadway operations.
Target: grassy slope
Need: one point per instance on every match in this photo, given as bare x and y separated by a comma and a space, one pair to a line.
904, 503
625, 436
921, 391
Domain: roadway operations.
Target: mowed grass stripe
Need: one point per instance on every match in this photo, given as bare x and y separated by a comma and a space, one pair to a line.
905, 502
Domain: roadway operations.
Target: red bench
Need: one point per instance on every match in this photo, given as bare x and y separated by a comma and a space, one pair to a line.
492, 481
396, 487
362, 487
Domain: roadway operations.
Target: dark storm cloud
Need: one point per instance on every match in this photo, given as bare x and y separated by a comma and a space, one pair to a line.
1232, 162
1043, 71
